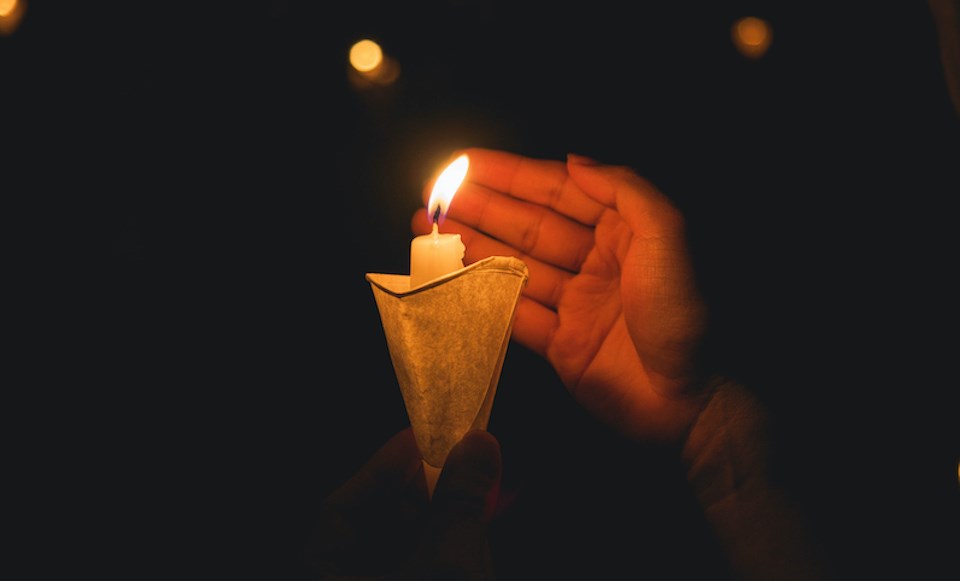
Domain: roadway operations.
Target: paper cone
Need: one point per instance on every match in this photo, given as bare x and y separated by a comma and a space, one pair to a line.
447, 340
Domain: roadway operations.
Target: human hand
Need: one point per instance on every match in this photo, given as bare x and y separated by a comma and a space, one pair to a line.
611, 300
382, 525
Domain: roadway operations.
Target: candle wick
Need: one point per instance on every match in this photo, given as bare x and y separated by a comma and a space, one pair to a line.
436, 215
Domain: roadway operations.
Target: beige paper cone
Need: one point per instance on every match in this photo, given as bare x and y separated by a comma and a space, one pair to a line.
447, 340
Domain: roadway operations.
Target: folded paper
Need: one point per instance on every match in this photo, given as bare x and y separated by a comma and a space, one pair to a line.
447, 340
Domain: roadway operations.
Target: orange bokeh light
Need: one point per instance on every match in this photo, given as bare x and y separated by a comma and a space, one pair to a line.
11, 13
751, 36
7, 6
366, 55
370, 67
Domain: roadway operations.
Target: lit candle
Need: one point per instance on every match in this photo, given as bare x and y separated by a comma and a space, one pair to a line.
434, 255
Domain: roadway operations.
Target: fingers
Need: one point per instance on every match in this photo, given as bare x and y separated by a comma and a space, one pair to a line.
529, 205
470, 481
534, 326
648, 212
668, 326
531, 228
544, 280
455, 544
541, 182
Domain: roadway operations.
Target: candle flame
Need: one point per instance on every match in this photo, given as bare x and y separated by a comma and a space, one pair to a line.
446, 186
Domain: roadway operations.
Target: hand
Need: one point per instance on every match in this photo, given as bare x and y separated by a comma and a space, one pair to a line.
381, 525
611, 301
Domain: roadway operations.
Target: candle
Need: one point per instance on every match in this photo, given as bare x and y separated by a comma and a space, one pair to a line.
434, 255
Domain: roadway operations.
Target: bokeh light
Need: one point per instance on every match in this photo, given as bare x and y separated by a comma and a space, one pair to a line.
7, 6
366, 55
751, 36
11, 13
370, 66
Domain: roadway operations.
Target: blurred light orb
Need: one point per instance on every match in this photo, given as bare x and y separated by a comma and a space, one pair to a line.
369, 67
365, 55
11, 13
7, 7
751, 36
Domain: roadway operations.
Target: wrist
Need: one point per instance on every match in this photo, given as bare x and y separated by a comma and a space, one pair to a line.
727, 445
758, 521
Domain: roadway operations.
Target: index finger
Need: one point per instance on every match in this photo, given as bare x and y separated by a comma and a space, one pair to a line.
542, 182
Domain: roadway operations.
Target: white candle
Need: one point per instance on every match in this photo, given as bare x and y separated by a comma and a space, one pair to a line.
434, 255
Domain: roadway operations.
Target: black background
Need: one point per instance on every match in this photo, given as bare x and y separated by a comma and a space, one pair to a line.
204, 191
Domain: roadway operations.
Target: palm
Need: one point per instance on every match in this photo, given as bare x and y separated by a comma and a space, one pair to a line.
610, 301
600, 348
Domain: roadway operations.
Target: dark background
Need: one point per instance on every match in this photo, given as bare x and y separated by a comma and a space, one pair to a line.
205, 190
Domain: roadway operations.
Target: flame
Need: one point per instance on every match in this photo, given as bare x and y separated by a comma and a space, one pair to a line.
446, 186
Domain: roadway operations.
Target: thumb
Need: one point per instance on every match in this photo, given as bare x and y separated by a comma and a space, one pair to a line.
461, 508
470, 480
